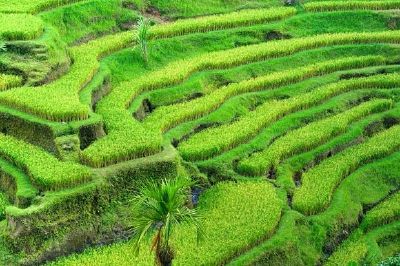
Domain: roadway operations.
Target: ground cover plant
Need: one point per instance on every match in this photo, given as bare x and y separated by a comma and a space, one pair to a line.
269, 128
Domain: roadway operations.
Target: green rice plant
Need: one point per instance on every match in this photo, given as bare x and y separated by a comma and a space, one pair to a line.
368, 185
294, 165
141, 37
349, 254
167, 117
208, 143
20, 26
364, 248
40, 101
351, 5
27, 6
63, 93
115, 147
385, 212
218, 22
319, 183
235, 216
45, 171
9, 81
307, 137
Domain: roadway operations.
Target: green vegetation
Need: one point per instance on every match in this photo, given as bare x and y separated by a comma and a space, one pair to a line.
161, 208
44, 170
27, 6
319, 183
20, 26
234, 216
9, 81
348, 5
307, 137
141, 38
280, 118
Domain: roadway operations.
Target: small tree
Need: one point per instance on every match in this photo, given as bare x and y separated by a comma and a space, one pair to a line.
158, 208
141, 37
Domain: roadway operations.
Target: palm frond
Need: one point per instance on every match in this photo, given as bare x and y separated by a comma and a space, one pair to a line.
159, 207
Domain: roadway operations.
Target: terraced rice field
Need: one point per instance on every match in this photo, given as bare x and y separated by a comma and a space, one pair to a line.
287, 117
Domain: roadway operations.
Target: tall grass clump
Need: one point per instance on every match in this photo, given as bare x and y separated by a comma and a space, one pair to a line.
9, 81
141, 37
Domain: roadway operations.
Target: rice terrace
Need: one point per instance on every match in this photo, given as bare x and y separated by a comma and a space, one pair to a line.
199, 132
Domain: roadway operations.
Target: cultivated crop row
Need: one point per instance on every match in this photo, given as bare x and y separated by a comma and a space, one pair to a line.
351, 5
166, 117
218, 22
113, 107
358, 246
45, 171
64, 92
9, 81
385, 212
307, 137
20, 26
28, 6
235, 216
208, 143
319, 183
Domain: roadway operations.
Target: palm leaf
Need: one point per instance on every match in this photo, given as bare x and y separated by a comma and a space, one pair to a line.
159, 207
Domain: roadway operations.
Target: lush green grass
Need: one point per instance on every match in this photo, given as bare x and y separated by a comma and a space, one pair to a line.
27, 6
311, 135
177, 8
45, 171
235, 217
20, 26
9, 81
89, 19
223, 89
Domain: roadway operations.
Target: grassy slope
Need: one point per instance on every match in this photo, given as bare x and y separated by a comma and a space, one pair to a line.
126, 64
123, 67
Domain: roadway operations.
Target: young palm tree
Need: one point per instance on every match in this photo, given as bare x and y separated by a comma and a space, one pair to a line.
142, 31
158, 208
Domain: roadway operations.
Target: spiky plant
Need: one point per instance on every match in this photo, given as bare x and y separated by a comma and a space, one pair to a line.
158, 209
2, 46
141, 37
